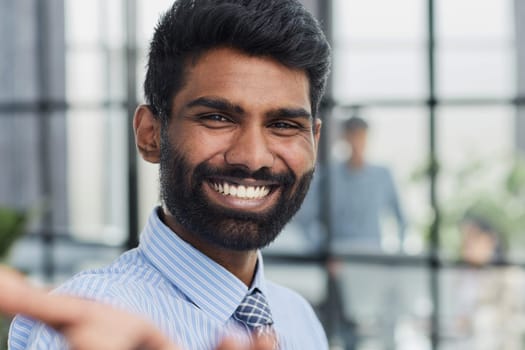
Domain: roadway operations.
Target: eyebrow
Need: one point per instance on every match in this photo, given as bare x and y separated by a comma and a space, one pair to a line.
216, 103
290, 113
227, 106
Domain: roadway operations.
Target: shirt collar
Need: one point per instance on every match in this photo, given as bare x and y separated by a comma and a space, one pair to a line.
207, 284
259, 281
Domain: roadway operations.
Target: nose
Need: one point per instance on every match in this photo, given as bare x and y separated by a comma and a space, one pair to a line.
249, 149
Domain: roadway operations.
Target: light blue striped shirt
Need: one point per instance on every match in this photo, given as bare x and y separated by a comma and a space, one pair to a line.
186, 294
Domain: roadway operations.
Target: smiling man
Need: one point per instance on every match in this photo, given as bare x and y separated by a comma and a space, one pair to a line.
232, 90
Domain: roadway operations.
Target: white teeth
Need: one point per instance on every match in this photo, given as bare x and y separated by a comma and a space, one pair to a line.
241, 191
264, 191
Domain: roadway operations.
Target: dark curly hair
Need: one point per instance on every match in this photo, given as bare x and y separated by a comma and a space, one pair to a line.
281, 29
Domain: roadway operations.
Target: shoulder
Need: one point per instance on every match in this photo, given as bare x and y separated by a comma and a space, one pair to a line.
126, 283
380, 172
288, 297
104, 284
379, 169
296, 318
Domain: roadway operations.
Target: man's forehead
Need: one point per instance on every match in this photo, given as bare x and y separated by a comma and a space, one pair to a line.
245, 80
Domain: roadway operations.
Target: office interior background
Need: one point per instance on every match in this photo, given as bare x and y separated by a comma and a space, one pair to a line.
441, 84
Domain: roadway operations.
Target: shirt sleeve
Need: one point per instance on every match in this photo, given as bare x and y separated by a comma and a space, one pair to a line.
28, 334
394, 204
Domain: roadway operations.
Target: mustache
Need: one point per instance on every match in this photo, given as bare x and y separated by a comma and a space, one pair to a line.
204, 170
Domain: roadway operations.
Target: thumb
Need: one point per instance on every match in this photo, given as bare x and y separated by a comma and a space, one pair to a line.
229, 344
15, 291
265, 342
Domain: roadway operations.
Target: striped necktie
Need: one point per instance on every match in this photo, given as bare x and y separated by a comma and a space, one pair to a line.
255, 313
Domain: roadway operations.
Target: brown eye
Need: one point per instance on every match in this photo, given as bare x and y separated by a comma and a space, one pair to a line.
285, 128
215, 121
284, 125
215, 117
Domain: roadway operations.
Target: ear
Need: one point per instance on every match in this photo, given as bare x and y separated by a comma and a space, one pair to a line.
147, 134
317, 132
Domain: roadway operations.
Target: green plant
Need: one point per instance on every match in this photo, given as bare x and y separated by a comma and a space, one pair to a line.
12, 226
492, 189
4, 330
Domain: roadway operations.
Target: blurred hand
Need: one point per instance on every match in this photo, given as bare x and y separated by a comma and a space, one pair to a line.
89, 325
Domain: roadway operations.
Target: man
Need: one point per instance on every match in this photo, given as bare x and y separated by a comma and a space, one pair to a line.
232, 91
366, 192
362, 193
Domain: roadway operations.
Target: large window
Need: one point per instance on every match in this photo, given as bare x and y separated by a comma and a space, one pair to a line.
443, 120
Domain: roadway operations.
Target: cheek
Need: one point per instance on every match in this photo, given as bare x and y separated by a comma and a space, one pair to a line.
299, 156
200, 145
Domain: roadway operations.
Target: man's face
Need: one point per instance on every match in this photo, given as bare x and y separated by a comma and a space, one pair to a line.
357, 139
239, 151
478, 245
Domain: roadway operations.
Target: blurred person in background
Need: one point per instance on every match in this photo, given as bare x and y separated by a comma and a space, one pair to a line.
232, 90
363, 194
489, 295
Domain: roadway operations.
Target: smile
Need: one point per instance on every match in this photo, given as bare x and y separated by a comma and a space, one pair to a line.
241, 191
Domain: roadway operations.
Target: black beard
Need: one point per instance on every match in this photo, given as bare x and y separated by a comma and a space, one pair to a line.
182, 194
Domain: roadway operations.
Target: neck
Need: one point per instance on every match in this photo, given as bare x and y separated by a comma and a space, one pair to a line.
356, 162
240, 263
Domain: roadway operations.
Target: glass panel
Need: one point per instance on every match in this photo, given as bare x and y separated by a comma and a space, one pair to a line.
83, 22
486, 71
95, 22
114, 12
475, 57
95, 76
482, 308
86, 76
478, 178
385, 306
33, 147
307, 279
378, 54
97, 175
381, 73
95, 59
116, 75
20, 173
378, 20
470, 19
19, 67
